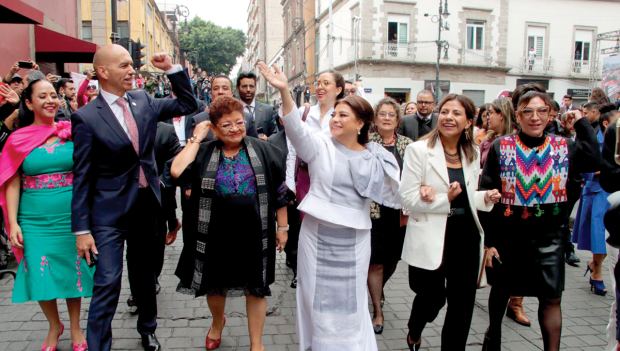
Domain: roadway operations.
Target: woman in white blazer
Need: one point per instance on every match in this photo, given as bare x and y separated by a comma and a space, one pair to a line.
444, 240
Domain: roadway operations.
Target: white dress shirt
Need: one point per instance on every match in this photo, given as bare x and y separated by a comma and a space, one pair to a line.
179, 128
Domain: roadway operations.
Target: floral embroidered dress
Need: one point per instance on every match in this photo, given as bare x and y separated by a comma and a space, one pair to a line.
51, 268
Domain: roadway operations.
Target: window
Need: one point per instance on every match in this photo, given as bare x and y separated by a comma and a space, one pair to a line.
398, 29
536, 40
475, 35
583, 39
123, 29
149, 10
87, 31
477, 96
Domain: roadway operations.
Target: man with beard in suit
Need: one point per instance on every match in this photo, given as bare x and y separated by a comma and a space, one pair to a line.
424, 120
262, 114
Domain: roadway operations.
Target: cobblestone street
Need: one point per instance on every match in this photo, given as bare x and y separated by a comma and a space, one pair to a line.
183, 321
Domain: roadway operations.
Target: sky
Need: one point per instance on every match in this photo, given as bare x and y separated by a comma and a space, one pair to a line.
233, 13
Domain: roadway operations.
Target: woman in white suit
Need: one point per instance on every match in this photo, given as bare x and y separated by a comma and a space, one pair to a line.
444, 240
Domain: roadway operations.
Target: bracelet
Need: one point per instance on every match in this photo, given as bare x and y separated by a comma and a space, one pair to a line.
284, 228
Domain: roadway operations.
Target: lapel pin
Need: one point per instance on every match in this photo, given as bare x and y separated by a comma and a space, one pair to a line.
133, 104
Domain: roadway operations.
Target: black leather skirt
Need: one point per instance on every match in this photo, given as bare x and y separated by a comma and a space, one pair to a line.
532, 264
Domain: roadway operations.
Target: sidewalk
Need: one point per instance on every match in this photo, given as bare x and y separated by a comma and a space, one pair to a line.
183, 321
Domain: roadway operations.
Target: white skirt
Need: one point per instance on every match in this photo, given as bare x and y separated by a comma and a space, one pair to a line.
332, 303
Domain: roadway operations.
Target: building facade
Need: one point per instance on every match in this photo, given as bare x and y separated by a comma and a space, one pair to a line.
137, 19
44, 31
394, 45
265, 37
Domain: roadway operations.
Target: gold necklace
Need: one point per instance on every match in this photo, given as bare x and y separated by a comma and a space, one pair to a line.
453, 159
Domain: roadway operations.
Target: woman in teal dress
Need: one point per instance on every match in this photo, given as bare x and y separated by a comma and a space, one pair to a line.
35, 190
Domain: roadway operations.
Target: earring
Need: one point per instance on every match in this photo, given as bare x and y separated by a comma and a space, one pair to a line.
359, 131
467, 136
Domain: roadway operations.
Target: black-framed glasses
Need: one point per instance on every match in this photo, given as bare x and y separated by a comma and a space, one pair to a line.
541, 112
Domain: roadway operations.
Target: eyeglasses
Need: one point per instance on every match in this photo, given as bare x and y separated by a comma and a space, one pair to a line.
350, 91
322, 83
386, 114
425, 102
228, 126
92, 87
541, 112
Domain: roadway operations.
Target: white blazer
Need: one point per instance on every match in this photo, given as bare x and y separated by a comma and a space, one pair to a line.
426, 228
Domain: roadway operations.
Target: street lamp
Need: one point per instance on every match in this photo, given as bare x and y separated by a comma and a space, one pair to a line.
183, 11
441, 44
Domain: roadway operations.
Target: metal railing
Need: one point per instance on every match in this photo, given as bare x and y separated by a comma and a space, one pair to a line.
580, 68
399, 51
537, 65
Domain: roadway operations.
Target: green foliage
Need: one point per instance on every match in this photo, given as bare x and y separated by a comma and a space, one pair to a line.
218, 47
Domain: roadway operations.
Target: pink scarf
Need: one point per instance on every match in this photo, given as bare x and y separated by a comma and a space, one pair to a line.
18, 146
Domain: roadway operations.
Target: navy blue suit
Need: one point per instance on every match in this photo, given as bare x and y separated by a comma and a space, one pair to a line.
107, 201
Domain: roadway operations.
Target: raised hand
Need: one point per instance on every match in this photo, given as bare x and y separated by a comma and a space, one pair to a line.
277, 79
162, 61
9, 95
90, 74
454, 191
202, 129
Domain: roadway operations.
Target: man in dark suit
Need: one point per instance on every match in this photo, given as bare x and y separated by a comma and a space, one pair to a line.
424, 120
568, 104
116, 194
263, 115
166, 147
222, 86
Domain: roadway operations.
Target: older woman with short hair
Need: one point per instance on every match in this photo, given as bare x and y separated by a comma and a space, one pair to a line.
388, 225
531, 168
238, 194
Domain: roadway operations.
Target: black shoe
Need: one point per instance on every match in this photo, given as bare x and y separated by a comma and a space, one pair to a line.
150, 343
157, 288
378, 329
412, 346
294, 283
572, 259
491, 344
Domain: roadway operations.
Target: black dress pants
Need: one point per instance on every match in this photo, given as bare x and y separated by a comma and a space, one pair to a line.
139, 230
455, 281
165, 217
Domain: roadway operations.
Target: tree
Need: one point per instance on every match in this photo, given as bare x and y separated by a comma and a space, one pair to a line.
218, 47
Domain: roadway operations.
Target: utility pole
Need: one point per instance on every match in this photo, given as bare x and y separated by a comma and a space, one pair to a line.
115, 36
443, 14
331, 37
356, 38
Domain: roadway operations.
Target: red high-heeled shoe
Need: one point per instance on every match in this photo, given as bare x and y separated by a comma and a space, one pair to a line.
212, 344
53, 348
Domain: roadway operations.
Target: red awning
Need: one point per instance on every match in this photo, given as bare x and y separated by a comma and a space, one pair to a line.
15, 11
52, 46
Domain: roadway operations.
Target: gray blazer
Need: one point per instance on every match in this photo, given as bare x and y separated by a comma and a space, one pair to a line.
265, 117
410, 128
250, 128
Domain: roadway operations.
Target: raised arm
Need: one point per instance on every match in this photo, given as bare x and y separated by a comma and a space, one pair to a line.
189, 152
185, 103
305, 143
585, 156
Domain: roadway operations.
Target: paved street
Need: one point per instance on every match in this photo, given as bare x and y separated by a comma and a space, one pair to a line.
184, 321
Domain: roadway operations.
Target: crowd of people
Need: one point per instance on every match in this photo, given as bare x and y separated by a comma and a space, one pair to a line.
466, 196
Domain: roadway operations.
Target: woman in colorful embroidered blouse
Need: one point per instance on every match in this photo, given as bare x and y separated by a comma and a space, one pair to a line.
237, 189
35, 192
531, 169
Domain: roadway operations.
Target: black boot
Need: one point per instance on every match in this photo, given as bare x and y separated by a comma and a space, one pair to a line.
491, 345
